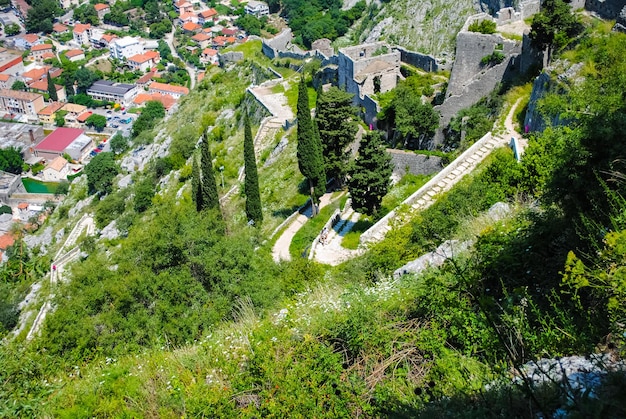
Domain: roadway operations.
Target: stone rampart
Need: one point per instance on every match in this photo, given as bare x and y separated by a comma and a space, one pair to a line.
378, 229
417, 164
370, 110
606, 9
416, 59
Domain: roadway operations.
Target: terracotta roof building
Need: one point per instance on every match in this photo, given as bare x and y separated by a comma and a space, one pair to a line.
168, 89
72, 141
47, 114
25, 103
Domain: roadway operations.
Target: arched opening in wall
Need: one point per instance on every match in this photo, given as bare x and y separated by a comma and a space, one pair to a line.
376, 85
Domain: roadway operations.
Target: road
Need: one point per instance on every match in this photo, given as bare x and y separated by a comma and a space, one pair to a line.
169, 38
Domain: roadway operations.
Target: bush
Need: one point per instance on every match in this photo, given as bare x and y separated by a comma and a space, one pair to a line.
484, 26
494, 58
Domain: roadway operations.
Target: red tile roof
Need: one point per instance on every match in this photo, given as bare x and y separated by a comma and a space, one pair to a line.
42, 85
36, 73
83, 116
229, 32
199, 37
74, 53
145, 78
31, 37
208, 13
100, 6
22, 205
169, 88
47, 55
58, 27
82, 27
166, 100
51, 108
6, 240
59, 139
4, 77
190, 26
41, 47
210, 52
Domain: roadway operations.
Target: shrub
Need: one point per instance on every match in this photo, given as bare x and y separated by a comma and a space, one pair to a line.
484, 26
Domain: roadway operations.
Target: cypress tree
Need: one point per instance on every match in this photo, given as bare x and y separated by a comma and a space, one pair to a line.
52, 90
196, 185
251, 185
208, 186
310, 158
369, 177
334, 118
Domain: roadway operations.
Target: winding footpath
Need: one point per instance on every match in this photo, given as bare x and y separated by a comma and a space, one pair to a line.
169, 39
61, 259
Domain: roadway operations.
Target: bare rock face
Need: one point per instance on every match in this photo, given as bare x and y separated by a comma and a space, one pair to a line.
43, 240
110, 232
445, 251
76, 209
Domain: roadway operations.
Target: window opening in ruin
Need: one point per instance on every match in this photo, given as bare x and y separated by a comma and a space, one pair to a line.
376, 85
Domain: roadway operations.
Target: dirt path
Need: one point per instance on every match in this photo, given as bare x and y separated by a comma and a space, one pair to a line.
280, 251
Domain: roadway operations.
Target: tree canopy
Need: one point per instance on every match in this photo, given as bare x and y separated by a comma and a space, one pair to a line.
370, 175
254, 210
101, 171
98, 122
41, 15
335, 120
151, 113
554, 26
310, 158
11, 160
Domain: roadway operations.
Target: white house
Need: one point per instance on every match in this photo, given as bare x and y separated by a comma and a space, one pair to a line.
56, 170
82, 34
257, 8
126, 47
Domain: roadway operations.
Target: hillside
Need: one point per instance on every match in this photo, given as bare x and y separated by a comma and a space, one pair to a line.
177, 312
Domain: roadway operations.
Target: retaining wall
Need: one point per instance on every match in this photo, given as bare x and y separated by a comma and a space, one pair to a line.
370, 234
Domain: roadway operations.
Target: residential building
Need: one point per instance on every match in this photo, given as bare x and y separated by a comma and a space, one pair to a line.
208, 15
72, 141
102, 10
188, 17
145, 80
145, 61
82, 118
202, 39
123, 48
11, 63
167, 100
75, 55
72, 112
191, 27
21, 8
27, 41
102, 40
56, 170
48, 114
20, 136
209, 56
121, 93
38, 51
257, 8
6, 81
39, 72
230, 32
168, 89
183, 6
59, 28
82, 33
41, 86
24, 103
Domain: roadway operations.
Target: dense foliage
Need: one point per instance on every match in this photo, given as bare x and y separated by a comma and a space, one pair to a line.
370, 174
41, 15
254, 211
310, 158
554, 26
101, 171
335, 121
319, 19
11, 160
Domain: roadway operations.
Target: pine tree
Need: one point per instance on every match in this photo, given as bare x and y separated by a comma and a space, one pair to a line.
369, 177
52, 90
208, 186
251, 185
196, 185
334, 118
310, 158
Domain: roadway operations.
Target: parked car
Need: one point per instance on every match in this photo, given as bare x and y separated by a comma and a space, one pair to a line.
100, 146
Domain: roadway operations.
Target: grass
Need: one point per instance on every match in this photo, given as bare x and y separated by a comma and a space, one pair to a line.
309, 231
401, 191
292, 96
351, 239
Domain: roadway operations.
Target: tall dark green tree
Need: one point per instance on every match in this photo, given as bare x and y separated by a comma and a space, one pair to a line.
334, 117
196, 184
52, 90
370, 175
251, 186
208, 187
554, 26
310, 158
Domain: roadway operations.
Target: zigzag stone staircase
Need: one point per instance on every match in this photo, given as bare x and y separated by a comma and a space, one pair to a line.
442, 182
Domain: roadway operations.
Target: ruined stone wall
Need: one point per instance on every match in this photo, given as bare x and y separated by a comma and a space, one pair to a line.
423, 61
370, 109
606, 9
417, 164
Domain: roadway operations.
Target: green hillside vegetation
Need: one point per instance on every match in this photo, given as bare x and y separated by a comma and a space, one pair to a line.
187, 315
